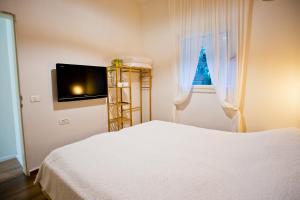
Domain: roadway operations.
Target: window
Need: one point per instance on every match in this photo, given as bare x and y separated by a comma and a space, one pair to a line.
202, 76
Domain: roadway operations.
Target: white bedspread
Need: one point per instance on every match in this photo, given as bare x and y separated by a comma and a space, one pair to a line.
167, 161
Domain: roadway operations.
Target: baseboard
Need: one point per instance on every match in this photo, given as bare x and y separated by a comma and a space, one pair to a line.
5, 158
34, 171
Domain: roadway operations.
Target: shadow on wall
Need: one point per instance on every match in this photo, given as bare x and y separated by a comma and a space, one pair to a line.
71, 104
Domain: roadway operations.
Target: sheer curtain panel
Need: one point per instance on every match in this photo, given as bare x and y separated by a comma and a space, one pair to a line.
222, 28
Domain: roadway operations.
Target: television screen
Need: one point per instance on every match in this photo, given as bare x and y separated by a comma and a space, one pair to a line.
79, 82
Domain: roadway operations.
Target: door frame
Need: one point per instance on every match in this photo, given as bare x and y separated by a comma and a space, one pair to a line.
23, 145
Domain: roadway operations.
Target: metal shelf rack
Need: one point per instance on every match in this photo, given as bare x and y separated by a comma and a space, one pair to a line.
119, 102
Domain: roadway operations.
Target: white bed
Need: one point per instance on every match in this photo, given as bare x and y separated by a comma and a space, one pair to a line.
166, 161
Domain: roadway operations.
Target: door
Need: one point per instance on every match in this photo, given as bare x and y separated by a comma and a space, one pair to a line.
11, 133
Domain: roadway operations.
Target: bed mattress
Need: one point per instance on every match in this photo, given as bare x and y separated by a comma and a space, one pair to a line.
167, 161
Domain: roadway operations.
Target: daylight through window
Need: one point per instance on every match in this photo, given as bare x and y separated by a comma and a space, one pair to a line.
202, 76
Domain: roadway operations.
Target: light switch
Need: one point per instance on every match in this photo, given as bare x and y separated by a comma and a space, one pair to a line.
35, 98
64, 121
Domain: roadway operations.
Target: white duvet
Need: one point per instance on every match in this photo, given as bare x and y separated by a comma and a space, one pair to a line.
166, 161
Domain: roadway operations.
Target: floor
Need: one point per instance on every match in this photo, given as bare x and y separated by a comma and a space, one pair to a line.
15, 185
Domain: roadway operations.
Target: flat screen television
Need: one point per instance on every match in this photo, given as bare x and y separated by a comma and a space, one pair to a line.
79, 82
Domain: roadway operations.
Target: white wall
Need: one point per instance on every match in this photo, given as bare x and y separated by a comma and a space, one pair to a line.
273, 84
156, 45
7, 124
79, 32
204, 110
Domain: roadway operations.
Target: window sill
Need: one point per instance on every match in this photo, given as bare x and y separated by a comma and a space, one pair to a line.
204, 89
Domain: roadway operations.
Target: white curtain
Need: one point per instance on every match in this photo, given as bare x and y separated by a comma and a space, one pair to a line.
187, 45
222, 28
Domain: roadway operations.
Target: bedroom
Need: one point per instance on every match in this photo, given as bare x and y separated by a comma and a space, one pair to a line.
95, 32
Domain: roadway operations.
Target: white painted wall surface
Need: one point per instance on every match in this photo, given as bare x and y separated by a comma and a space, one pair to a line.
77, 32
204, 110
156, 45
273, 84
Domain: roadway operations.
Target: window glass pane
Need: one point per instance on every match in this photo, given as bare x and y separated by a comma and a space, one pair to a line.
202, 76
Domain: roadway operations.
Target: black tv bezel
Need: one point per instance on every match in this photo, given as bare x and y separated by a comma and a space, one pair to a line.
79, 98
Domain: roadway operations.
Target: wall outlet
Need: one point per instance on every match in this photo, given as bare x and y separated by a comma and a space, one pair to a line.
64, 121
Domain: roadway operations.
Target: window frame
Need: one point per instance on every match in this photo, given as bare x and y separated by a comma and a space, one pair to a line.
210, 89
